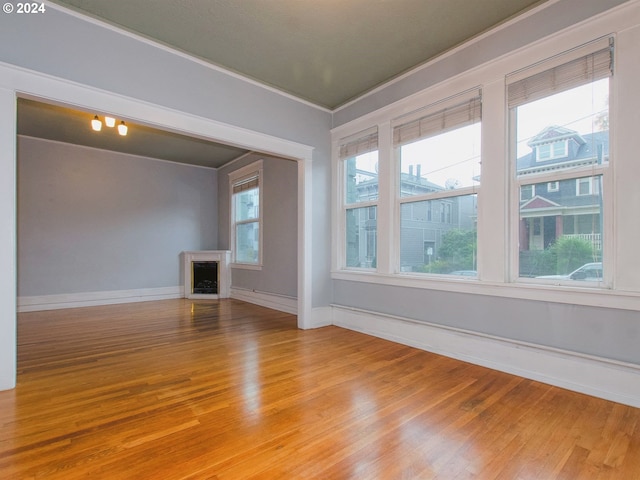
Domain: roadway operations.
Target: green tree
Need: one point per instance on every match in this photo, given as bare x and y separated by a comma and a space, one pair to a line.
571, 253
458, 249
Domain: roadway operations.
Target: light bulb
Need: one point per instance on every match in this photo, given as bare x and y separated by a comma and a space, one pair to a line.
96, 124
110, 122
122, 129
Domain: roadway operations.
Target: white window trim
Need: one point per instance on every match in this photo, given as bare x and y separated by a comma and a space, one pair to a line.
396, 218
495, 257
253, 169
589, 182
517, 181
339, 244
553, 186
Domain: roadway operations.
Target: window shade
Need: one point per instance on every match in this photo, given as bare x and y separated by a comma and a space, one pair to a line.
365, 142
456, 116
246, 184
583, 70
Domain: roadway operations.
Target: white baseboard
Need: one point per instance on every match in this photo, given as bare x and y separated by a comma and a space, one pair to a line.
599, 377
321, 317
281, 303
90, 299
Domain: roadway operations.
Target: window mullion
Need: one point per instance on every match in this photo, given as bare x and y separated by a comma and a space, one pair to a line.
385, 248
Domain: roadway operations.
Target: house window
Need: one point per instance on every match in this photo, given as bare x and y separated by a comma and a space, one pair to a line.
359, 160
438, 169
550, 151
566, 101
587, 186
527, 192
246, 216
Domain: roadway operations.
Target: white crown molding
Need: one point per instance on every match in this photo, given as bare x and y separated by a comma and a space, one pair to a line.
550, 45
430, 63
161, 46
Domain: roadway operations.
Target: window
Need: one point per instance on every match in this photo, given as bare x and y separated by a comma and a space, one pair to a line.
550, 151
559, 114
527, 192
587, 186
359, 160
246, 215
438, 169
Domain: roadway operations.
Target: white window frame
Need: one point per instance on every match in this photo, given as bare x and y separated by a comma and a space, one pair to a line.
444, 215
350, 147
553, 186
576, 173
496, 263
590, 183
236, 177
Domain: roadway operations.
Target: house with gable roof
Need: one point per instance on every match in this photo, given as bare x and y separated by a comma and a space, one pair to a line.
568, 207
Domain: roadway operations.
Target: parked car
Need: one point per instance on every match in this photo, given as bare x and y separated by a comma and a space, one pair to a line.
590, 272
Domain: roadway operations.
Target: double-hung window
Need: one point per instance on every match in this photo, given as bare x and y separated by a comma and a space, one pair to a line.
359, 163
437, 153
245, 186
559, 129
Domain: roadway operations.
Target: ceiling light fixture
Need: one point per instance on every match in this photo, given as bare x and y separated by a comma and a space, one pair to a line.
96, 124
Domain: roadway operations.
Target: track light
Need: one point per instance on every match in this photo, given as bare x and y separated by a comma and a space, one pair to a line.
122, 129
96, 124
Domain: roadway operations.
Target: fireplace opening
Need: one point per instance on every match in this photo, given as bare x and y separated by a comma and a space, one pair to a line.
205, 278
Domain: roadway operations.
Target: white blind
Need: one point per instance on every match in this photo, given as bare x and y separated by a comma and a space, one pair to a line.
363, 143
246, 184
582, 70
456, 116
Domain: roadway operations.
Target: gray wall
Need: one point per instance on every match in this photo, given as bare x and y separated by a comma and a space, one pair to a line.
608, 333
62, 45
91, 220
603, 332
280, 224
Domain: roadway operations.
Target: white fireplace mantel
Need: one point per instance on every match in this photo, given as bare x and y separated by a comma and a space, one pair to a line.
223, 257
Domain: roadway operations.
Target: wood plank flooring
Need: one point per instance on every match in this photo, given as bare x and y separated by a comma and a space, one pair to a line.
183, 389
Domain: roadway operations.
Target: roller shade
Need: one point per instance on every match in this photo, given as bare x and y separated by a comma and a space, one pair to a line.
456, 116
246, 184
582, 70
364, 142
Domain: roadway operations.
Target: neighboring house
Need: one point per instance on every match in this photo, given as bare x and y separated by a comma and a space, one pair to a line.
566, 207
423, 223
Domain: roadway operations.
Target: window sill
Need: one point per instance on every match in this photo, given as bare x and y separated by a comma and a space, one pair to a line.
247, 266
575, 295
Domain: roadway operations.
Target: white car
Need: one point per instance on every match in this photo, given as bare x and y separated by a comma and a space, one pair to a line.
590, 272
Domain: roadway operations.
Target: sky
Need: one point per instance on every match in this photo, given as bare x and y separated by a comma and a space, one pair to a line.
455, 155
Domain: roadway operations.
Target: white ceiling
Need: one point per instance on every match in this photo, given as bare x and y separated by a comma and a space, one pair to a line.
326, 52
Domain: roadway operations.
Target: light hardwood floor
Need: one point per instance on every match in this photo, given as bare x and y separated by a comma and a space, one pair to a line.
184, 389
